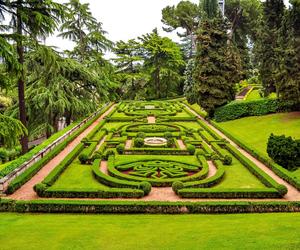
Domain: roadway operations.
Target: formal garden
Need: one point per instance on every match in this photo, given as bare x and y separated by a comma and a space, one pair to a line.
172, 131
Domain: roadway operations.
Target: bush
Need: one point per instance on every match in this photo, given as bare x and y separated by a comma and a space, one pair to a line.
240, 109
177, 185
138, 142
191, 148
141, 135
168, 135
146, 187
108, 153
120, 148
3, 155
83, 158
227, 160
170, 142
284, 151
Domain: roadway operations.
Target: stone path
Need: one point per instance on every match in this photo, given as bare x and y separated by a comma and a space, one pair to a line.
151, 119
26, 192
181, 144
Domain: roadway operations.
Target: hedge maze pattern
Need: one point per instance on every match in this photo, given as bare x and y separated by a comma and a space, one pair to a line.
114, 162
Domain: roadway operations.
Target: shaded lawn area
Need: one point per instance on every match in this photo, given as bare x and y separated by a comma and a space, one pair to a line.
70, 231
255, 130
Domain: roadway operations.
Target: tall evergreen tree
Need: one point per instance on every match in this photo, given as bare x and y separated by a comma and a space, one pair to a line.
216, 65
273, 11
288, 73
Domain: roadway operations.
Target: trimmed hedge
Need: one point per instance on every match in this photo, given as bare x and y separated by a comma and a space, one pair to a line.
261, 193
240, 109
150, 207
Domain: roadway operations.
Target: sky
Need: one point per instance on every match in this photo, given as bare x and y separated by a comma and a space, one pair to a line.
125, 19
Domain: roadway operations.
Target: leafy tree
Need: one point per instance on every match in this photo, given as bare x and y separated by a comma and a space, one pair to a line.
162, 59
29, 19
273, 11
129, 63
186, 16
217, 66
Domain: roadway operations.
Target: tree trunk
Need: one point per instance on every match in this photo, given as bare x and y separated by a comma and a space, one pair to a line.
21, 82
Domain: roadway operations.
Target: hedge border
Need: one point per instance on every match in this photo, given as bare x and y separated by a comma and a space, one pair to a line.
149, 207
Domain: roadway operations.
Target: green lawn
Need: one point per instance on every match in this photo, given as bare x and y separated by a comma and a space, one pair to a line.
255, 130
63, 231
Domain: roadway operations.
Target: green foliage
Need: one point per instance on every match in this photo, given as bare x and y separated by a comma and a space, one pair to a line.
146, 187
176, 186
191, 148
3, 155
284, 151
83, 158
227, 160
217, 67
238, 109
120, 148
138, 142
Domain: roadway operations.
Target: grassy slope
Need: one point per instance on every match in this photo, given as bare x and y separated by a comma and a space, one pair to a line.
255, 131
238, 231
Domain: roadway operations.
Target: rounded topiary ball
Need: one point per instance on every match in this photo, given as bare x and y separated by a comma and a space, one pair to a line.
227, 160
146, 187
177, 185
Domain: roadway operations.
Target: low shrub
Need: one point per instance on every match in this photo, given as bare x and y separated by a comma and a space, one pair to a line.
146, 187
3, 155
138, 142
284, 151
191, 149
176, 186
170, 142
168, 135
141, 135
107, 154
83, 158
120, 148
227, 160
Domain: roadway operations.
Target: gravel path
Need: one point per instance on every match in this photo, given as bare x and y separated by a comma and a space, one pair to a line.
151, 119
26, 192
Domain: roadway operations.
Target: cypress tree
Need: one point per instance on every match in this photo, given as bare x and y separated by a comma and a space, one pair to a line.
288, 74
216, 64
273, 11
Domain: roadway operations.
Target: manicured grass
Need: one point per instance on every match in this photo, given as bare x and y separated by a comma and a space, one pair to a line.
254, 95
255, 130
237, 231
77, 176
238, 176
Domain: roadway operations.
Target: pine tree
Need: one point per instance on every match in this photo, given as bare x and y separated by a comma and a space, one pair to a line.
273, 12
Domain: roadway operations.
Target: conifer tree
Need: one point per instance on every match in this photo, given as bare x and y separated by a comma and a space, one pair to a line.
273, 12
216, 65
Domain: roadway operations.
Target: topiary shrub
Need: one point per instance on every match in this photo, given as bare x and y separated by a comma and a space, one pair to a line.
120, 149
170, 142
146, 187
227, 160
83, 158
191, 148
284, 151
176, 186
168, 135
108, 153
138, 142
